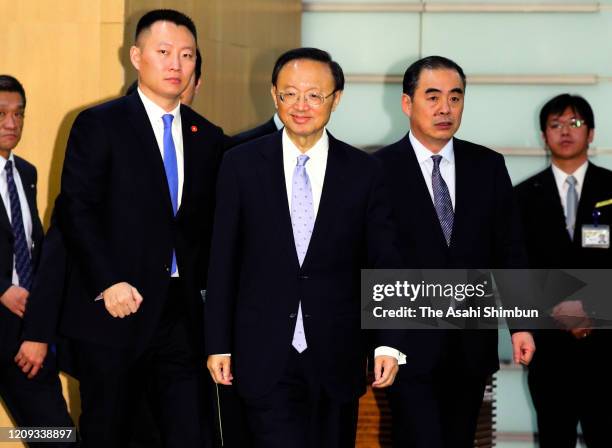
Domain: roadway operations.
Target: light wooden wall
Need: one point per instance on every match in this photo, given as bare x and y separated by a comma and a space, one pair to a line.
71, 54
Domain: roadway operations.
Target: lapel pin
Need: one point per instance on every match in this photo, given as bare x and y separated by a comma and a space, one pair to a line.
194, 129
32, 186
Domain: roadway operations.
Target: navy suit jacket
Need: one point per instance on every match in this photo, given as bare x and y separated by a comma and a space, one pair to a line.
486, 235
256, 281
269, 127
118, 225
10, 324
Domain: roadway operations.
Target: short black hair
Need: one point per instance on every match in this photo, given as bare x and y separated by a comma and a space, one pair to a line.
10, 84
413, 73
165, 15
313, 54
198, 66
558, 104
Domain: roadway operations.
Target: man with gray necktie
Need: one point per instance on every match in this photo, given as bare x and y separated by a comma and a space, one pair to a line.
452, 203
566, 214
299, 213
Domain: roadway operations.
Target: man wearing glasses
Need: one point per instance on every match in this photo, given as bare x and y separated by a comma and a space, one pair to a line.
298, 214
566, 225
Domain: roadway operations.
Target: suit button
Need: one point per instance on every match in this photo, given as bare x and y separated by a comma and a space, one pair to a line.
167, 268
304, 277
292, 315
306, 316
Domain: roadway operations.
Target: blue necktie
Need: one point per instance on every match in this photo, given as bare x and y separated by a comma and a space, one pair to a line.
571, 205
302, 221
442, 200
23, 263
171, 168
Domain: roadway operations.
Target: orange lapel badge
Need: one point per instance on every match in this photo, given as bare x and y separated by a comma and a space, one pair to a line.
194, 128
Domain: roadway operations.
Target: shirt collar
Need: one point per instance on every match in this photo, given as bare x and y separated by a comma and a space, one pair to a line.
318, 151
154, 112
3, 161
423, 154
277, 122
561, 176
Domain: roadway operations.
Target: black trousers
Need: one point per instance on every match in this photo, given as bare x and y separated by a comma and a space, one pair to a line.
168, 373
37, 401
299, 413
439, 409
570, 383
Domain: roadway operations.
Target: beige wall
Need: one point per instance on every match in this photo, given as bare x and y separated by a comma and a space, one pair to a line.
70, 54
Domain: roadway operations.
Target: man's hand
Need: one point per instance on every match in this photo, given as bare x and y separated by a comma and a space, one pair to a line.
571, 316
15, 299
31, 356
219, 367
121, 299
523, 347
385, 369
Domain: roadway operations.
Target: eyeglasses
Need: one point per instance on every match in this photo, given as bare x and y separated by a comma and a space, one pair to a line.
313, 99
573, 124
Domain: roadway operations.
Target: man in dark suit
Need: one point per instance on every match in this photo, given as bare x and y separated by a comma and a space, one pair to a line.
298, 214
569, 378
136, 215
33, 397
452, 203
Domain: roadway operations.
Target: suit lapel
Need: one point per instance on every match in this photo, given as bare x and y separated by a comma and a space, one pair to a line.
149, 153
417, 193
548, 195
588, 198
189, 130
272, 173
331, 196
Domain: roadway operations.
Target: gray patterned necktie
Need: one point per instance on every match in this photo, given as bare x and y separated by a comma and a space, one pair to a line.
302, 221
442, 200
571, 205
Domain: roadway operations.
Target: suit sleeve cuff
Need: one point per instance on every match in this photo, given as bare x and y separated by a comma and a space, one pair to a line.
383, 350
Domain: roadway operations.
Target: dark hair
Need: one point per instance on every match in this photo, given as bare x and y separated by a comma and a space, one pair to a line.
10, 84
558, 104
313, 54
413, 73
165, 15
198, 66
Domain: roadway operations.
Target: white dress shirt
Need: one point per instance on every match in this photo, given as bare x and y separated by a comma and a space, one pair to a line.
277, 122
447, 165
23, 200
155, 113
315, 166
562, 186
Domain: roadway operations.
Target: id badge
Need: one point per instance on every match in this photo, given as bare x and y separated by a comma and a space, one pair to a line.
596, 237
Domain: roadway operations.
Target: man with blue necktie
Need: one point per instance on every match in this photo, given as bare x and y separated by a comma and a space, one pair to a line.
299, 213
33, 395
136, 214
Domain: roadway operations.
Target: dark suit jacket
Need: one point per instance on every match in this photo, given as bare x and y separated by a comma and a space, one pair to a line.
485, 235
10, 324
549, 245
269, 127
256, 281
117, 221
